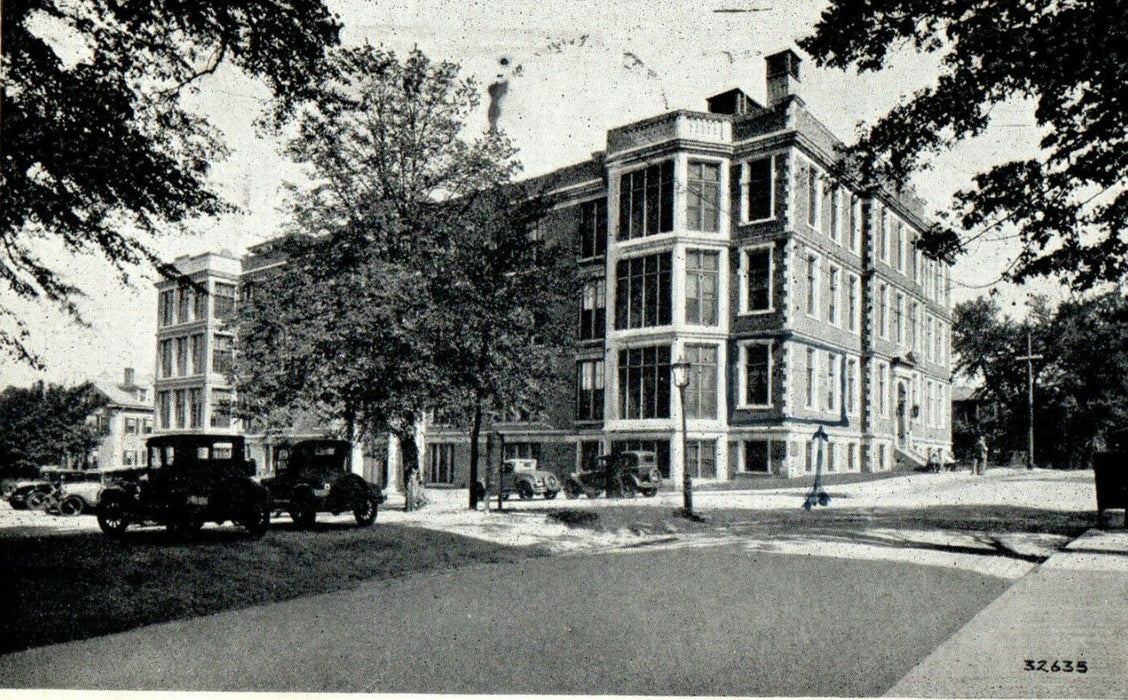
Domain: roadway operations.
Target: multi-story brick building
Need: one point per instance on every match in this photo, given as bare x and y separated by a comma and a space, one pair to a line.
720, 238
127, 419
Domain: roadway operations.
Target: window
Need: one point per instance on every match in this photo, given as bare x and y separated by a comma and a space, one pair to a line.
130, 426
182, 356
883, 311
814, 192
836, 215
522, 450
832, 275
831, 456
644, 382
660, 448
852, 292
757, 284
832, 381
899, 319
898, 245
882, 388
146, 426
440, 465
812, 285
701, 393
809, 462
222, 354
593, 310
757, 455
812, 368
589, 399
852, 386
852, 457
166, 358
593, 228
703, 197
883, 235
201, 304
128, 458
642, 292
756, 374
855, 223
164, 408
221, 408
701, 458
180, 405
913, 309
196, 408
759, 188
199, 358
184, 303
646, 201
166, 307
224, 301
701, 271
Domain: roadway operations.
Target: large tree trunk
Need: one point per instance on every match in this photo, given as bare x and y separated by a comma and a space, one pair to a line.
475, 431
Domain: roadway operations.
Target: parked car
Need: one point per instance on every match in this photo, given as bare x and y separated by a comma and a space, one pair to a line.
619, 474
34, 490
313, 476
522, 476
189, 480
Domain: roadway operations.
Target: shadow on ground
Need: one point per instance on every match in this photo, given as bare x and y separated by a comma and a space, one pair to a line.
65, 587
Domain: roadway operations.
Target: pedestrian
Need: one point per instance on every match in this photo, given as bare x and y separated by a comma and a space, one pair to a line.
981, 461
933, 464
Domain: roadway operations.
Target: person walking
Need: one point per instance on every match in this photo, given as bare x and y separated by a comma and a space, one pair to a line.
981, 461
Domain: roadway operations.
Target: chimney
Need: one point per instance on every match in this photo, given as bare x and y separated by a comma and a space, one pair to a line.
129, 376
783, 76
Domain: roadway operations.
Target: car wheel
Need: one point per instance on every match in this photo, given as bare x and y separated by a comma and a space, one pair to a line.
571, 490
648, 492
257, 520
36, 499
365, 513
72, 505
524, 490
626, 487
112, 517
302, 511
549, 495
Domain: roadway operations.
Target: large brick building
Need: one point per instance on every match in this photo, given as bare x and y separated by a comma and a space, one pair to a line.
718, 237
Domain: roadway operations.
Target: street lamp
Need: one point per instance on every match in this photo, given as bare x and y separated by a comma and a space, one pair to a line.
680, 370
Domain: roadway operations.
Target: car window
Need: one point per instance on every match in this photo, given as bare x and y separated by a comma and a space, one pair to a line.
169, 455
222, 450
202, 453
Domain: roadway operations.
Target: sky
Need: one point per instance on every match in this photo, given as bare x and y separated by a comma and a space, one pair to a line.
575, 70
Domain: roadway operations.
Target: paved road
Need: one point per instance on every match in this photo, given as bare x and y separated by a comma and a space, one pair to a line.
711, 620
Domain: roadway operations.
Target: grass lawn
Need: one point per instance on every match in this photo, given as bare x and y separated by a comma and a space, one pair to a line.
65, 587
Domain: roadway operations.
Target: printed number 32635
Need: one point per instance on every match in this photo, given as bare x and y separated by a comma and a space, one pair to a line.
1056, 666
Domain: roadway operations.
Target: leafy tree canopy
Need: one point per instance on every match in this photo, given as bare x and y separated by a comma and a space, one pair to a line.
1069, 204
96, 145
42, 423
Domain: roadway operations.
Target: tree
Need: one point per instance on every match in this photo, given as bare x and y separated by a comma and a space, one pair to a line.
1081, 396
46, 423
1069, 205
97, 145
347, 327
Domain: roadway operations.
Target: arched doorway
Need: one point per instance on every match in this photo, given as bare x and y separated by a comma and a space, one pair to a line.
902, 415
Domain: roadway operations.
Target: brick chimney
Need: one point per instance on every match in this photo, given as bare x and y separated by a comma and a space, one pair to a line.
129, 377
783, 76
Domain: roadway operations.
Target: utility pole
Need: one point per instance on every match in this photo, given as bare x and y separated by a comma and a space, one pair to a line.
1029, 360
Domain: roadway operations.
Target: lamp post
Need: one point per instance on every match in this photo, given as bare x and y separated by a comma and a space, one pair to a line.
680, 370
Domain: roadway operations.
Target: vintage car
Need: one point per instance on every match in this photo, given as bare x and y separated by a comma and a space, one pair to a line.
35, 490
619, 474
312, 476
189, 480
522, 476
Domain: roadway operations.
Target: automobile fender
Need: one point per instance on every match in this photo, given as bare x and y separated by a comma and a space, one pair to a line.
121, 495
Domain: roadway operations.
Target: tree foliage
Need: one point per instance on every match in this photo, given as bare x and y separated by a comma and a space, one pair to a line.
411, 280
1081, 396
97, 146
1069, 204
44, 423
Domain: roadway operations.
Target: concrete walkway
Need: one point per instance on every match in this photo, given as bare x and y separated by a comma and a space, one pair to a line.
1074, 607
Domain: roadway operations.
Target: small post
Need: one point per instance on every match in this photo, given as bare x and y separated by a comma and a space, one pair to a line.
1029, 360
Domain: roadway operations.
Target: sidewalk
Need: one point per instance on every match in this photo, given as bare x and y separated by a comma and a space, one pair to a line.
1074, 607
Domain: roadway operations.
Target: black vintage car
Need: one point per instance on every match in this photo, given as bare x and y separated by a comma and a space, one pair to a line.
189, 480
312, 476
620, 474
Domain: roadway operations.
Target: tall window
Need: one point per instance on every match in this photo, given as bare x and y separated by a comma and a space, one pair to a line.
166, 358
440, 465
166, 304
200, 304
195, 408
164, 409
814, 194
221, 408
836, 215
180, 405
222, 354
898, 245
593, 309
899, 319
883, 234
182, 356
701, 458
851, 386
812, 285
852, 292
832, 381
832, 275
703, 197
758, 279
914, 313
883, 311
883, 388
701, 394
642, 292
593, 228
701, 271
646, 201
199, 358
183, 305
644, 382
757, 455
756, 372
224, 306
855, 223
589, 399
812, 367
760, 189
